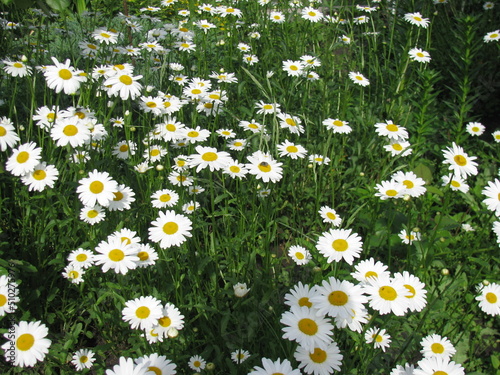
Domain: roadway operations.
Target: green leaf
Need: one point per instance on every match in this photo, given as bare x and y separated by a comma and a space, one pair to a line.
424, 172
495, 361
59, 5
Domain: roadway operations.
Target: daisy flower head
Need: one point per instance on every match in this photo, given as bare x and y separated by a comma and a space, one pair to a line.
400, 370
492, 36
361, 20
293, 68
116, 255
237, 144
180, 178
319, 361
301, 295
197, 363
367, 269
267, 108
292, 123
264, 167
419, 55
416, 19
240, 356
193, 135
359, 79
387, 295
189, 207
437, 346
270, 367
408, 237
398, 147
492, 193
24, 159
437, 365
489, 299
460, 163
240, 289
455, 183
124, 84
142, 313
98, 187
123, 198
61, 77
417, 294
475, 128
70, 131
390, 190
299, 254
277, 17
83, 359
126, 366
124, 149
92, 214
291, 150
209, 157
164, 198
414, 185
378, 337
337, 126
252, 126
391, 130
42, 176
170, 229
329, 215
29, 342
338, 299
82, 257
105, 36
319, 159
157, 364
16, 68
250, 59
8, 295
73, 273
235, 170
311, 14
340, 244
170, 317
8, 135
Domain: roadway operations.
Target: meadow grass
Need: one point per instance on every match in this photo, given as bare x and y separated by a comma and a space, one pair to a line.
382, 113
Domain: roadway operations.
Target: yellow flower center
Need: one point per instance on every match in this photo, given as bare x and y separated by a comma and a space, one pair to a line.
290, 122
237, 144
81, 257
378, 338
391, 193
312, 14
397, 147
388, 293
84, 359
371, 274
25, 342
292, 149
96, 187
151, 104
359, 78
165, 321
196, 363
3, 300
155, 369
39, 175
193, 134
318, 356
165, 198
493, 36
3, 131
65, 74
437, 348
340, 245
338, 123
116, 255
171, 127
392, 127
294, 67
118, 196
123, 148
142, 312
460, 160
70, 130
170, 228
265, 167
338, 298
418, 19
267, 107
73, 274
304, 301
154, 152
440, 373
17, 65
308, 326
455, 183
411, 290
299, 255
22, 157
209, 156
230, 10
105, 35
491, 297
126, 80
253, 126
92, 214
234, 169
409, 184
331, 215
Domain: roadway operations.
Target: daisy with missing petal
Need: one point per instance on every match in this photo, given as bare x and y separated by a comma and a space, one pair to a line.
209, 157
492, 193
142, 313
41, 177
338, 299
329, 215
170, 318
489, 299
164, 198
417, 297
99, 187
319, 159
414, 186
337, 126
387, 295
8, 135
440, 366
368, 269
408, 237
491, 36
460, 163
437, 346
291, 150
124, 84
455, 183
24, 159
319, 361
299, 254
274, 368
301, 295
73, 273
475, 128
391, 130
170, 229
264, 167
338, 244
416, 19
189, 207
197, 363
63, 77
378, 337
83, 359
390, 190
29, 342
359, 79
240, 356
117, 255
419, 55
83, 258
398, 147
292, 123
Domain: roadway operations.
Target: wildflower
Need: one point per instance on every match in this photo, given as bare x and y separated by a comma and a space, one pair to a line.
277, 17
170, 318
319, 159
189, 207
224, 11
387, 295
338, 244
437, 346
208, 157
292, 123
267, 108
16, 68
63, 77
361, 20
237, 144
197, 363
311, 14
414, 186
455, 183
407, 369
117, 255
293, 68
123, 197
378, 337
74, 273
235, 170
99, 187
409, 237
252, 126
42, 176
180, 178
24, 159
164, 198
30, 343
301, 295
240, 290
390, 190
239, 356
126, 366
319, 361
299, 254
436, 365
264, 167
489, 299
494, 35
417, 54
250, 59
8, 295
398, 147
83, 359
329, 215
475, 128
337, 126
417, 296
157, 364
170, 229
193, 135
369, 269
416, 19
142, 312
83, 258
391, 130
359, 79
488, 5
71, 131
105, 36
291, 150
274, 367
123, 84
345, 39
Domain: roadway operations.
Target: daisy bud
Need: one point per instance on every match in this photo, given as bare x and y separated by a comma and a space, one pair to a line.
317, 269
81, 171
172, 333
406, 197
21, 128
133, 128
486, 282
159, 167
210, 366
361, 174
445, 272
127, 113
110, 104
